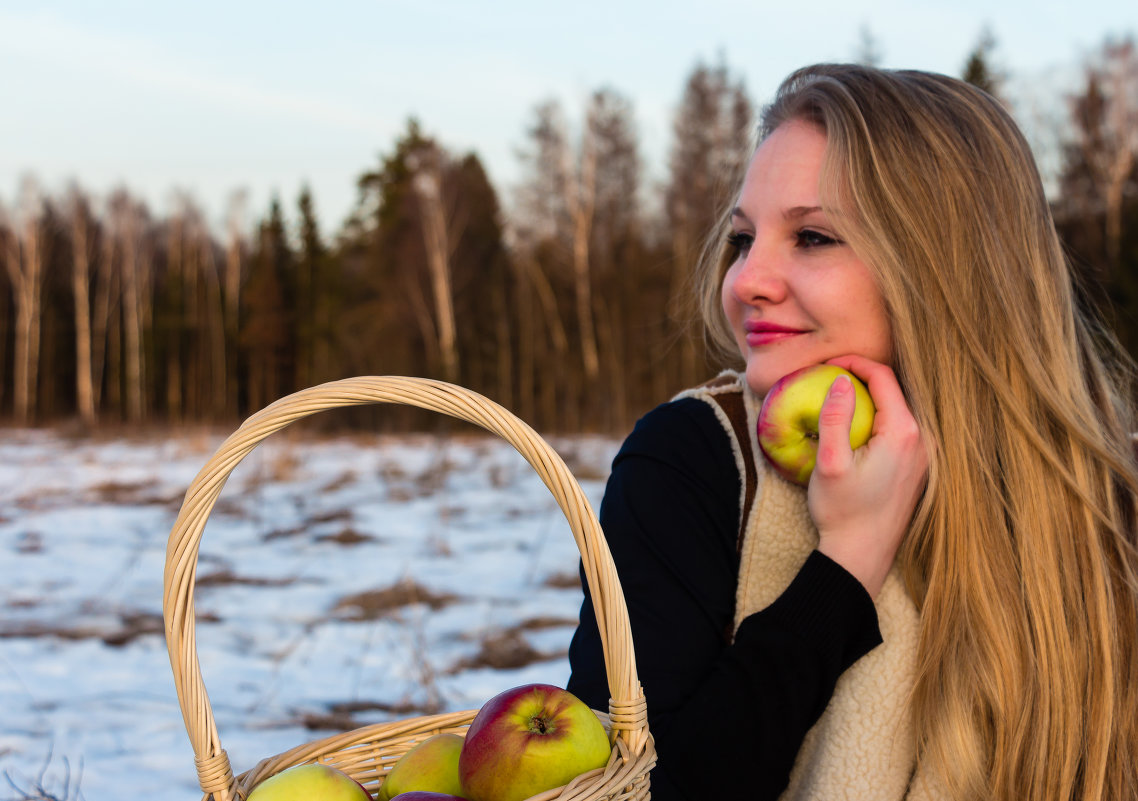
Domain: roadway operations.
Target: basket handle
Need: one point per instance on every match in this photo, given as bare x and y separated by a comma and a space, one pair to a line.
626, 704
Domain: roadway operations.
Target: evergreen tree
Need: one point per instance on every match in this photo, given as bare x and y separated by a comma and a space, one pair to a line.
485, 303
395, 306
268, 316
315, 304
868, 48
712, 142
978, 69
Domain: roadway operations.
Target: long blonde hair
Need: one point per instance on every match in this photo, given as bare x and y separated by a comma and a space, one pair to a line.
1022, 554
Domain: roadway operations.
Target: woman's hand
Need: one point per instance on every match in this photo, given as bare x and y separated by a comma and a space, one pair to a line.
863, 501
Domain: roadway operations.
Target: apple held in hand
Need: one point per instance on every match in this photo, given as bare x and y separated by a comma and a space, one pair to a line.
528, 740
432, 765
788, 420
306, 782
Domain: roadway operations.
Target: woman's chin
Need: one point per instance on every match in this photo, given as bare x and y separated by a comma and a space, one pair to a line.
762, 376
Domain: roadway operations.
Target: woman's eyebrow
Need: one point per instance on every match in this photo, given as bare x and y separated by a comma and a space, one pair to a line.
797, 212
793, 213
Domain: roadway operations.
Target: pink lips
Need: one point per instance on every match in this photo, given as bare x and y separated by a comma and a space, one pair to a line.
759, 332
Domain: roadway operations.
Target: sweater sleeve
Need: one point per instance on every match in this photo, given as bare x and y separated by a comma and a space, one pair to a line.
728, 716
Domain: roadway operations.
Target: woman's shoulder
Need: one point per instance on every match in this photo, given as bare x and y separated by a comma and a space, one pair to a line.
686, 432
675, 477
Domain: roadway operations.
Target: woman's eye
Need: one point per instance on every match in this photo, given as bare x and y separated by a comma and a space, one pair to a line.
740, 242
808, 238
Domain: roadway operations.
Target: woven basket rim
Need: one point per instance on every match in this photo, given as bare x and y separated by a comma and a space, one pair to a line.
627, 709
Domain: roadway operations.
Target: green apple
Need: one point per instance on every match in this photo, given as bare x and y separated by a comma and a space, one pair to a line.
527, 740
308, 782
788, 419
431, 765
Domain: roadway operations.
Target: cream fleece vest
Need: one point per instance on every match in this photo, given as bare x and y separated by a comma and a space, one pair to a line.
863, 745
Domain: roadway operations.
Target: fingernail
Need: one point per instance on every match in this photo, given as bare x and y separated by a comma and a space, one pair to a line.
841, 385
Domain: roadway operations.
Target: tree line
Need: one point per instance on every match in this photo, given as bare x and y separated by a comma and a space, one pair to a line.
572, 304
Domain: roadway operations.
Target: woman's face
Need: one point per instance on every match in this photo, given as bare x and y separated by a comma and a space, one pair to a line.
796, 294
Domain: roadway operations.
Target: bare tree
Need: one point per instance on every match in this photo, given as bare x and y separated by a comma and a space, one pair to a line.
173, 315
24, 259
105, 305
129, 225
235, 248
6, 301
81, 244
1120, 80
557, 204
1101, 157
215, 323
619, 280
582, 198
192, 317
426, 167
542, 234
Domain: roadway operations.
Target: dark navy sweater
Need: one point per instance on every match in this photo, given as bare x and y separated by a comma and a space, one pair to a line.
728, 715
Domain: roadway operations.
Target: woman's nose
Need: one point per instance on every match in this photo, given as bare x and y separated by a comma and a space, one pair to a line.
760, 276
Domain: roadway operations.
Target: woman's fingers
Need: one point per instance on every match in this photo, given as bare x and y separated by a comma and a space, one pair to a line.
862, 501
834, 452
893, 418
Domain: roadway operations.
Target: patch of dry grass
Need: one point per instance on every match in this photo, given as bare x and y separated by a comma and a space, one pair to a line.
377, 604
504, 650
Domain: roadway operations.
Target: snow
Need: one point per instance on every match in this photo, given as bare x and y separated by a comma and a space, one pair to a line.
87, 702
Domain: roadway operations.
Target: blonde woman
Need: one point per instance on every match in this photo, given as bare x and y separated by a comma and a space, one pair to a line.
892, 222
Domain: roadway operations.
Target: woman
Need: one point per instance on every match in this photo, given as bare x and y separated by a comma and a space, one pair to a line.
893, 223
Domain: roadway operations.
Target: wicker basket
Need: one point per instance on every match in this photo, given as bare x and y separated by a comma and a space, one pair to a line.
368, 753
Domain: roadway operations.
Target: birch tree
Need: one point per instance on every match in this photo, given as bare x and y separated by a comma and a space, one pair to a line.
619, 281
82, 224
6, 303
425, 165
173, 317
24, 260
582, 202
129, 221
192, 317
413, 216
104, 311
541, 225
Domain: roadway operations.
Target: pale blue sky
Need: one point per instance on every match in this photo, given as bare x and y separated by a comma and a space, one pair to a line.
212, 96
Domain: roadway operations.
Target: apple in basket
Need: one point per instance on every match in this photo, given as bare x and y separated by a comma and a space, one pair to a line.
788, 419
422, 795
304, 782
432, 766
527, 740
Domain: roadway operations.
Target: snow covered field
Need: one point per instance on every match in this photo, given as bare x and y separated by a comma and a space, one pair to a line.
341, 581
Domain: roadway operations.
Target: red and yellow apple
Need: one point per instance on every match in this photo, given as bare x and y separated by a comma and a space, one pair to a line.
305, 782
432, 766
527, 740
788, 419
423, 795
